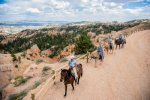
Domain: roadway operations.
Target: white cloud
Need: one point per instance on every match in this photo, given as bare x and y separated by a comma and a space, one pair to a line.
60, 4
85, 1
40, 1
73, 10
112, 4
136, 11
33, 10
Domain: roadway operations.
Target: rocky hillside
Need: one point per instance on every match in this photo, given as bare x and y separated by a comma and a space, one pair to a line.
58, 37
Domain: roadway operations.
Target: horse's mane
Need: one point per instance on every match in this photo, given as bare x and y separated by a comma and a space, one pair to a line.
64, 70
68, 72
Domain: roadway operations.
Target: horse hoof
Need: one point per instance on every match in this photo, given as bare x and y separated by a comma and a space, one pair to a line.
65, 95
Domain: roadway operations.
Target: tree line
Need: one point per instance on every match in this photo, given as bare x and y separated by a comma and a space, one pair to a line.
58, 42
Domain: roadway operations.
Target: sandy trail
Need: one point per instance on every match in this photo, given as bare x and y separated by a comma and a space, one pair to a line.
124, 75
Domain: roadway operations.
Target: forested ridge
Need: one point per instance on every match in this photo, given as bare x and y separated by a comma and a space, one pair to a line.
65, 35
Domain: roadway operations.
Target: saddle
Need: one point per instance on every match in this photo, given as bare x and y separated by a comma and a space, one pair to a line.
72, 72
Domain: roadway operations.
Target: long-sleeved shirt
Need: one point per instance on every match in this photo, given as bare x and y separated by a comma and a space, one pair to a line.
72, 63
110, 41
121, 37
100, 50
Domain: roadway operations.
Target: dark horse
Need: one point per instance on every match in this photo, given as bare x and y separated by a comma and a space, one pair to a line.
69, 78
1, 95
120, 42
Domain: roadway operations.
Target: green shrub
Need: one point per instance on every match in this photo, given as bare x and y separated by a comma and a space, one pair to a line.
14, 57
39, 61
36, 84
20, 80
13, 97
52, 55
17, 96
45, 70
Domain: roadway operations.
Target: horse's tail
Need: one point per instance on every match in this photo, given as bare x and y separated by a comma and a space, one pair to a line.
81, 69
115, 41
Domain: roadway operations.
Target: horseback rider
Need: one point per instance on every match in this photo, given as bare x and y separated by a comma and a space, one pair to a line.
110, 42
100, 52
121, 37
72, 64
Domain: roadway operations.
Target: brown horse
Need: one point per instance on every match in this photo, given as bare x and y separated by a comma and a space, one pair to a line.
108, 48
120, 42
1, 95
93, 55
69, 78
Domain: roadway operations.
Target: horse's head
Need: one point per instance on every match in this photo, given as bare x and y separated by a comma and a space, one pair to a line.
79, 65
63, 74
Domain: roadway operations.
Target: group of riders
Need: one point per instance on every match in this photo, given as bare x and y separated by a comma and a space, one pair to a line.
76, 71
100, 51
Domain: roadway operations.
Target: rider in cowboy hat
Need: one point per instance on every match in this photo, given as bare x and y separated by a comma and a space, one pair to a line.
121, 37
72, 64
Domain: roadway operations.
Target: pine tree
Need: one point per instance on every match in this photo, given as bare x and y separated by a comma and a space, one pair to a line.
83, 44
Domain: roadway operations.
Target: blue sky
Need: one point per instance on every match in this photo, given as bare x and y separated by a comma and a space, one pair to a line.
74, 10
140, 3
2, 1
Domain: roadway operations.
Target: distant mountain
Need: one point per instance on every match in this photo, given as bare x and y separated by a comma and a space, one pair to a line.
45, 23
32, 23
137, 21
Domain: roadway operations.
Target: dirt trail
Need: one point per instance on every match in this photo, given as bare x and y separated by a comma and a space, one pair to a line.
124, 75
